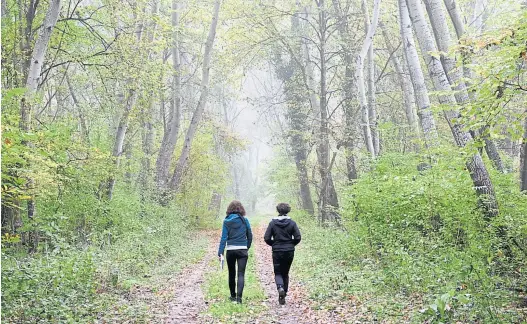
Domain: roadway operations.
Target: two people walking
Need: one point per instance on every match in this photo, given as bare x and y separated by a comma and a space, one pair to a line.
282, 235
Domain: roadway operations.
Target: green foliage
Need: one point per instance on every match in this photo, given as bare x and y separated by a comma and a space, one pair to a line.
414, 246
59, 286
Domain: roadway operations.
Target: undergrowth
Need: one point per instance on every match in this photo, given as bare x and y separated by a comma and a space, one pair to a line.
413, 247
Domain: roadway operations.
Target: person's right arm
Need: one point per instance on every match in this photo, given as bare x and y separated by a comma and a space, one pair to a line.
268, 236
223, 240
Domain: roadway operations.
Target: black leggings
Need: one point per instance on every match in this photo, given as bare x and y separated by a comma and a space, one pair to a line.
282, 263
233, 256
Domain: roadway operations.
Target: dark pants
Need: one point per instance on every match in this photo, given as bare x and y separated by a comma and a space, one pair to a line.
282, 263
233, 256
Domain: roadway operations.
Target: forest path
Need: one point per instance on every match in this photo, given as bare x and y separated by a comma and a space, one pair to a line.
188, 299
298, 307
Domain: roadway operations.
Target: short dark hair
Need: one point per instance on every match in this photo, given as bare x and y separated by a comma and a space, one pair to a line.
236, 207
283, 208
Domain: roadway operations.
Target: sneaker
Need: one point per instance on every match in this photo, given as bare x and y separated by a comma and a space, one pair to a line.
238, 300
232, 299
281, 296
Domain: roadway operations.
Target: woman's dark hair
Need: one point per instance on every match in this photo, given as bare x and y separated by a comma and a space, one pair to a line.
283, 209
236, 207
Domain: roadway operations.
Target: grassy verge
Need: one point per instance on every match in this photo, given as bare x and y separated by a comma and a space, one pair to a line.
322, 266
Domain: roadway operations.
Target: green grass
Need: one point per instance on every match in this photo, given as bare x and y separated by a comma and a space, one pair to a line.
217, 293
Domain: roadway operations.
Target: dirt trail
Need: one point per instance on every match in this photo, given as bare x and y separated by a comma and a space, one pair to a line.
188, 300
298, 308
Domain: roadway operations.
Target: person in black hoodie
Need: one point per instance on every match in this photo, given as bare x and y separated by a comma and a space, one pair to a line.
283, 235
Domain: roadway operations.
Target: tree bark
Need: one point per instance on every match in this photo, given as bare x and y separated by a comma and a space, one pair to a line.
407, 90
82, 120
33, 77
425, 114
359, 74
476, 167
149, 116
175, 182
350, 120
372, 111
168, 144
523, 158
442, 35
455, 16
328, 197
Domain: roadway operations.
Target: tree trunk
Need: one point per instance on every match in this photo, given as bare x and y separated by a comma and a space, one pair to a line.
85, 135
406, 85
443, 40
168, 144
148, 118
455, 16
328, 196
475, 165
372, 111
33, 77
349, 133
359, 74
523, 158
119, 139
425, 114
175, 182
477, 16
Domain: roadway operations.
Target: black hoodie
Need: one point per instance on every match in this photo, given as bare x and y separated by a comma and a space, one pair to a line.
282, 234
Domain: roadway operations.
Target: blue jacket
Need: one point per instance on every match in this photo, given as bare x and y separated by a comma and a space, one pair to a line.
235, 233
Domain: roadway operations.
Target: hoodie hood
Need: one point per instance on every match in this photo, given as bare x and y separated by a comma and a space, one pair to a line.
282, 221
234, 221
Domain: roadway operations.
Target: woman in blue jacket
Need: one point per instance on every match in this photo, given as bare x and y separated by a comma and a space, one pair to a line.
236, 238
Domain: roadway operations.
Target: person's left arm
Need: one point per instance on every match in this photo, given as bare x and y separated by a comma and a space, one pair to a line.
249, 234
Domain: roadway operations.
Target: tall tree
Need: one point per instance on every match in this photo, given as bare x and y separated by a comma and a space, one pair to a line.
407, 90
370, 67
181, 165
168, 143
359, 75
425, 114
476, 167
348, 85
33, 78
523, 155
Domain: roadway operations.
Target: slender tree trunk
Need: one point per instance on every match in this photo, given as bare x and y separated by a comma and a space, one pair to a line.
119, 139
175, 182
523, 159
82, 120
359, 75
477, 16
349, 133
443, 40
455, 16
407, 90
372, 111
148, 117
475, 165
425, 114
328, 197
33, 78
168, 144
